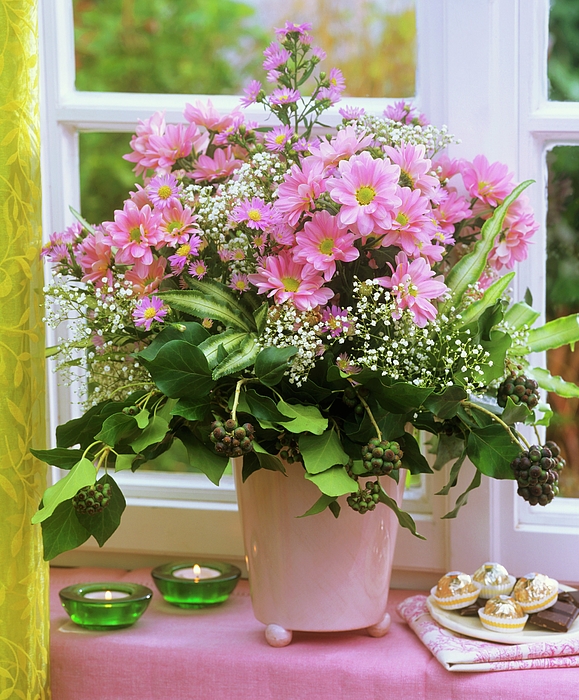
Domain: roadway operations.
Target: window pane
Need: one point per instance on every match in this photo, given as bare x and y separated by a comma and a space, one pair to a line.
163, 46
562, 299
563, 64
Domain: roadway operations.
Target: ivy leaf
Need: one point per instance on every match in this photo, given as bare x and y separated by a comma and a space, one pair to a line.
263, 408
124, 461
306, 418
463, 498
400, 397
413, 459
192, 409
453, 476
207, 461
193, 333
497, 346
154, 432
320, 452
271, 364
250, 464
180, 370
102, 525
446, 405
80, 431
320, 505
515, 413
142, 418
404, 518
62, 531
449, 447
333, 482
116, 427
60, 457
267, 461
491, 450
82, 474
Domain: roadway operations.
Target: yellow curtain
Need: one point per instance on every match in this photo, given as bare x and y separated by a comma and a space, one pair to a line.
23, 574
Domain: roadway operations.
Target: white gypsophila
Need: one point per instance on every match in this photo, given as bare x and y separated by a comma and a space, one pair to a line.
287, 326
428, 357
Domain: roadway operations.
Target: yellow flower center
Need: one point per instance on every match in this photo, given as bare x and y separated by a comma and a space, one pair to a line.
240, 284
135, 234
290, 284
184, 249
327, 246
164, 192
149, 312
200, 269
405, 180
279, 139
365, 195
172, 225
254, 214
402, 219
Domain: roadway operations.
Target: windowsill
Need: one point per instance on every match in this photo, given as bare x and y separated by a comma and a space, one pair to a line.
222, 653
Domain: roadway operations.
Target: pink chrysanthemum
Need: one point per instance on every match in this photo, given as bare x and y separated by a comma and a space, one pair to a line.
141, 154
414, 168
221, 165
59, 242
206, 115
284, 96
133, 232
149, 309
412, 224
451, 209
445, 167
512, 243
94, 256
145, 281
140, 197
184, 253
489, 182
239, 282
163, 191
198, 269
178, 224
277, 138
344, 144
322, 241
260, 241
282, 278
335, 321
299, 190
275, 56
222, 139
255, 213
367, 190
177, 142
251, 93
413, 288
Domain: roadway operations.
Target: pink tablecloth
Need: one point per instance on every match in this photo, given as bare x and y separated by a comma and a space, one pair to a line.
173, 654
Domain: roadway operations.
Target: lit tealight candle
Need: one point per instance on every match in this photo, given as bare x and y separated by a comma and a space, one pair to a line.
106, 595
197, 572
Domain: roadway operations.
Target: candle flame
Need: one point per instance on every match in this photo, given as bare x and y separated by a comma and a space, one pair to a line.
196, 571
108, 595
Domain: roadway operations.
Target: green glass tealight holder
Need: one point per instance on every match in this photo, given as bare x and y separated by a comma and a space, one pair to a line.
105, 605
197, 585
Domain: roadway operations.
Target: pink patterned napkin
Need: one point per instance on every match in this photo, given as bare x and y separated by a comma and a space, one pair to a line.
458, 653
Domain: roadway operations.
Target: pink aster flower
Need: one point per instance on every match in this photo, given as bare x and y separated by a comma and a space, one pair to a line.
178, 224
239, 282
414, 167
58, 243
206, 115
322, 241
133, 232
273, 76
149, 309
446, 167
413, 288
94, 256
512, 243
319, 53
222, 139
164, 191
198, 269
58, 253
451, 209
140, 197
280, 277
331, 94
284, 96
178, 141
345, 365
405, 113
277, 138
367, 191
153, 126
336, 78
489, 182
335, 321
184, 253
350, 113
255, 213
299, 29
299, 190
146, 280
275, 56
412, 224
221, 165
346, 143
260, 241
251, 93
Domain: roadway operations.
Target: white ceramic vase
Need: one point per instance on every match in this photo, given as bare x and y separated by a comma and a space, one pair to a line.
319, 573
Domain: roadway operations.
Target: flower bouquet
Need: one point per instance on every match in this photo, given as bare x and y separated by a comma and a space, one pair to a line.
295, 296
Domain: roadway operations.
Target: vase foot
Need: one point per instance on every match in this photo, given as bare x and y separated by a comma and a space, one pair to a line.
380, 628
278, 636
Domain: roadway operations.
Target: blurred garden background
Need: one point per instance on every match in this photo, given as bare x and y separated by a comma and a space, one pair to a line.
214, 47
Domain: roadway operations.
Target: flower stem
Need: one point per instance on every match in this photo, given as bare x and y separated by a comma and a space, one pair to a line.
236, 397
371, 417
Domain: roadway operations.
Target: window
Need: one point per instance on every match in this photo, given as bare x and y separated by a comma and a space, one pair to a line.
481, 71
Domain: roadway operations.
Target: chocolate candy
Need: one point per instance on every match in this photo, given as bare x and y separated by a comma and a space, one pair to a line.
570, 597
557, 618
472, 609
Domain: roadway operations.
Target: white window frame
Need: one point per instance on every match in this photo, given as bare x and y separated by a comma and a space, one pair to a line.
481, 71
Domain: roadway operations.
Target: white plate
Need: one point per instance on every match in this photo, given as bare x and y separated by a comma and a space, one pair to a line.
472, 627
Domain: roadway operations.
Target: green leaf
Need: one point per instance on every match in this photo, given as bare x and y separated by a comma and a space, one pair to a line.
333, 482
515, 413
521, 314
492, 451
124, 461
239, 359
449, 447
116, 427
271, 364
469, 268
193, 333
453, 476
263, 408
180, 370
320, 452
320, 505
243, 303
250, 464
60, 457
207, 461
404, 518
446, 405
80, 431
102, 525
547, 412
463, 498
557, 385
82, 221
491, 295
229, 340
413, 459
192, 409
62, 531
260, 317
82, 474
154, 432
270, 462
400, 397
561, 331
306, 418
142, 418
497, 347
